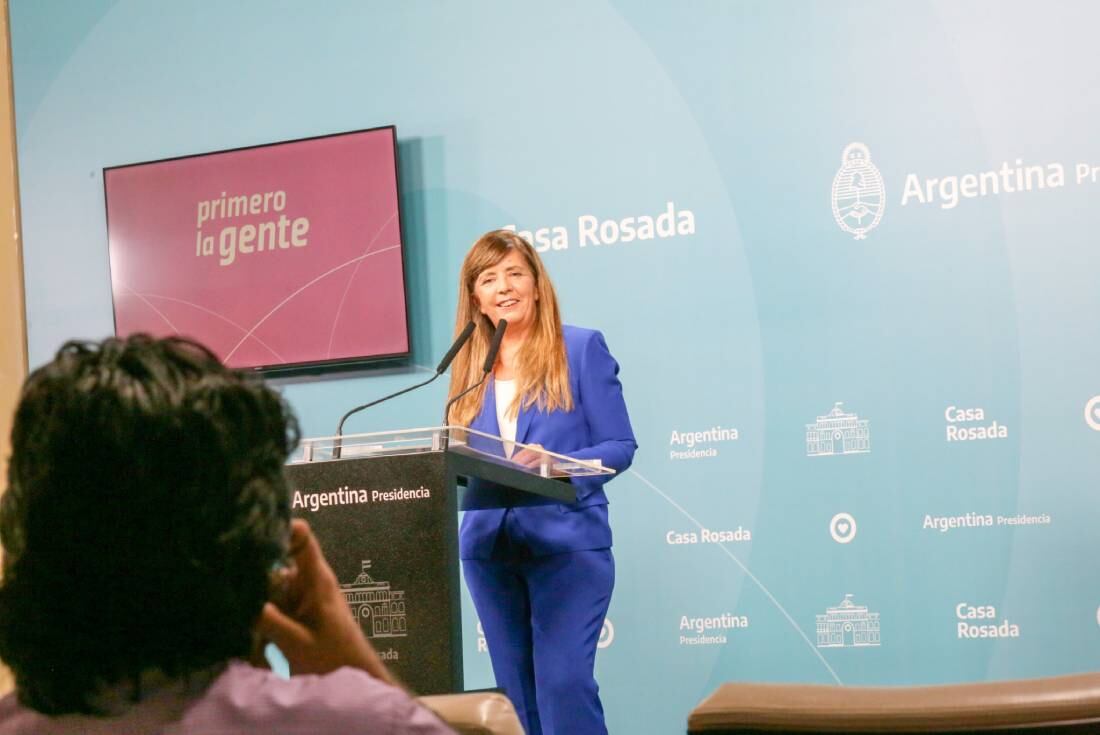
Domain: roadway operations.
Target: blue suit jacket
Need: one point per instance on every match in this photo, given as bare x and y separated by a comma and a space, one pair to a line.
598, 427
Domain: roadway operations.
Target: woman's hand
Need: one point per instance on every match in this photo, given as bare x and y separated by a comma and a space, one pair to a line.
529, 457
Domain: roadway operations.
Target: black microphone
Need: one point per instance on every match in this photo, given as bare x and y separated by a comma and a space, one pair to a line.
462, 339
451, 353
490, 359
494, 347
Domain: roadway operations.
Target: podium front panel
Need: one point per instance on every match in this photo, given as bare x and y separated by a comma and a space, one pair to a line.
387, 526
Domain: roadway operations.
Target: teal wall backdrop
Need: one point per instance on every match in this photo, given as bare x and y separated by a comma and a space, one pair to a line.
863, 377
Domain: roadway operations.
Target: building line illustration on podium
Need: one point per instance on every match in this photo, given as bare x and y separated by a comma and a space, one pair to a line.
373, 601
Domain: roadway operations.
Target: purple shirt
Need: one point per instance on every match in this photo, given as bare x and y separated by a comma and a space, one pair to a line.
245, 699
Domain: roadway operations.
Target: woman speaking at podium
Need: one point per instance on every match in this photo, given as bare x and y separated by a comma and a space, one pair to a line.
541, 576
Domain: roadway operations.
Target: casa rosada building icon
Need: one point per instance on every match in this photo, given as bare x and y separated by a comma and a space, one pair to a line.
838, 432
848, 625
379, 609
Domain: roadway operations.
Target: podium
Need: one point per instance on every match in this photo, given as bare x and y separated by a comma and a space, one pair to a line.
384, 507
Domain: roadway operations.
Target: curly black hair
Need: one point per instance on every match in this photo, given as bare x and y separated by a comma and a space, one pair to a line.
145, 509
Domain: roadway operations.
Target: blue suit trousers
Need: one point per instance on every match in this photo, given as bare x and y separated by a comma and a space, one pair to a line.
542, 617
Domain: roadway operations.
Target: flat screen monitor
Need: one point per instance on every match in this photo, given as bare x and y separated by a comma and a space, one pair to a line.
276, 256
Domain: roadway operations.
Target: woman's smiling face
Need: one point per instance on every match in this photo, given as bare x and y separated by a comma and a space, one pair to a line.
507, 291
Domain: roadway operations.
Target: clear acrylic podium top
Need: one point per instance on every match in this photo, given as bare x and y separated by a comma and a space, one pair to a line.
526, 458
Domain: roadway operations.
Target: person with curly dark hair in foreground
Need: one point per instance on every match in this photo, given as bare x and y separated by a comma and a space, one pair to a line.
145, 527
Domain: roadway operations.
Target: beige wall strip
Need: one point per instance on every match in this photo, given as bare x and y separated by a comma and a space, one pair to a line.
13, 323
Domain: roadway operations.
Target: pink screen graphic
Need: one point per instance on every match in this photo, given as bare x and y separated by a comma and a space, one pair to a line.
277, 255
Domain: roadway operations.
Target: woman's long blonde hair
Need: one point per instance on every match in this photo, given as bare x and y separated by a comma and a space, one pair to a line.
541, 368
